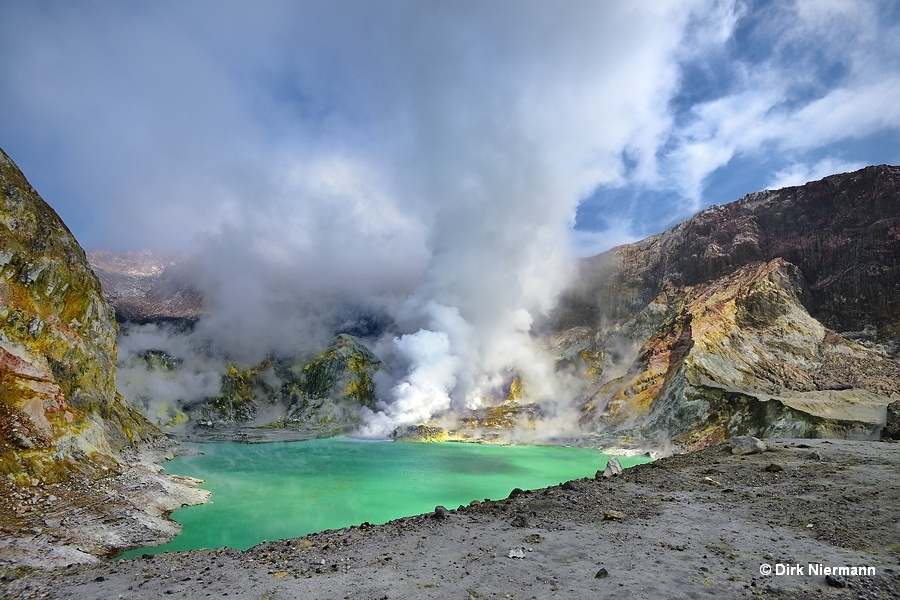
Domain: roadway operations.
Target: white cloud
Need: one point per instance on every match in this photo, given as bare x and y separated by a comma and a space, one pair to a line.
781, 106
799, 174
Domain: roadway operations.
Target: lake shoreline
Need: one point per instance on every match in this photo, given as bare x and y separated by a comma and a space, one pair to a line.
289, 489
703, 523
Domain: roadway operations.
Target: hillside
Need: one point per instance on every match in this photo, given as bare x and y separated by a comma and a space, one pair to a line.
775, 315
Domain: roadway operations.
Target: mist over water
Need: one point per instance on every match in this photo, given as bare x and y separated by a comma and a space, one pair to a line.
439, 189
280, 490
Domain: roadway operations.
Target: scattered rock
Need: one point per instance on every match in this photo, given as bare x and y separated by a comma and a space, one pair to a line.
517, 553
747, 444
534, 538
836, 581
613, 515
712, 481
570, 486
601, 574
613, 468
773, 468
441, 512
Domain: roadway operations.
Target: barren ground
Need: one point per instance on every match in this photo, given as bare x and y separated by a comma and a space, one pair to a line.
694, 526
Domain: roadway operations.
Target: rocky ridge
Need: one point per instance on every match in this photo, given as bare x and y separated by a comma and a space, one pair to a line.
147, 286
776, 315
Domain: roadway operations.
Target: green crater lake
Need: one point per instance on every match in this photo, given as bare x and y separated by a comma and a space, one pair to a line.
289, 489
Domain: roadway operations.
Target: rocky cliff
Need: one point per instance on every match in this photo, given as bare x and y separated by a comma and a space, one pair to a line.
64, 429
778, 314
59, 409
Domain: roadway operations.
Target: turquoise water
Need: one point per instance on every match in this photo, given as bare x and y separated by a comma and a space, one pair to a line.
281, 490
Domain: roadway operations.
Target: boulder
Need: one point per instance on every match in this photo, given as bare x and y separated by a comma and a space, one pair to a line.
613, 468
747, 444
891, 429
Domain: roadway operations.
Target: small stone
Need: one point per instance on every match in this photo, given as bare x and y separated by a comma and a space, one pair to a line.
520, 521
570, 486
773, 468
441, 512
747, 444
836, 581
601, 574
517, 553
613, 468
613, 515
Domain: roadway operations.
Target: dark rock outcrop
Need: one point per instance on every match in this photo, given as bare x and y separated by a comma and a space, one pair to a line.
891, 429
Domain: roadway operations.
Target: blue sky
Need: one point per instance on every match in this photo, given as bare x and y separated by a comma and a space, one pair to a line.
158, 124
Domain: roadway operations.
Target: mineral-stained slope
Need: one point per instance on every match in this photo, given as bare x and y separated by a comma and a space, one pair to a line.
68, 492
321, 395
59, 409
778, 314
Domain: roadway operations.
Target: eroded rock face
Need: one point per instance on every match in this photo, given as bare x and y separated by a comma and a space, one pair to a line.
773, 315
59, 409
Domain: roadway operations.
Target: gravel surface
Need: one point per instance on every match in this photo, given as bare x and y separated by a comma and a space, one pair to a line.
692, 526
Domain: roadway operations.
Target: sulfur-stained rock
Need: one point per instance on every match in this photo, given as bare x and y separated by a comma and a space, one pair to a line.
59, 408
769, 316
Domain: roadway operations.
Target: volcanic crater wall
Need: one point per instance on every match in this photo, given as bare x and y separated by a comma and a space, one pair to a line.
778, 314
59, 408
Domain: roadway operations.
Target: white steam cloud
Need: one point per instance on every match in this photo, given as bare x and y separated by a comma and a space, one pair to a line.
422, 161
437, 186
188, 376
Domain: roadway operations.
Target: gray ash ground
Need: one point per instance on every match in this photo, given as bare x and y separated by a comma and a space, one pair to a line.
694, 526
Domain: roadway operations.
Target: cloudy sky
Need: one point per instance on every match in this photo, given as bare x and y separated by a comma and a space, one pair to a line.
441, 162
153, 123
